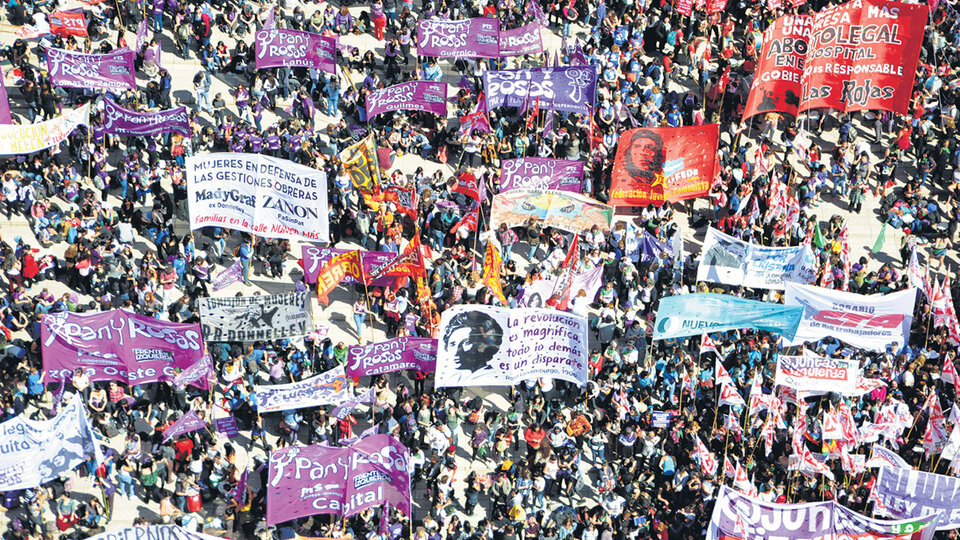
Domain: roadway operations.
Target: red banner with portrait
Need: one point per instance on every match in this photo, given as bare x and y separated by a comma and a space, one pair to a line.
863, 56
776, 87
657, 165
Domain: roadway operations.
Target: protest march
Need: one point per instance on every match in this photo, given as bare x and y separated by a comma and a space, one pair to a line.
483, 270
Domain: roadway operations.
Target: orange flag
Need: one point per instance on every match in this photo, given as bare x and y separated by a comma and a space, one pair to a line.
333, 272
491, 272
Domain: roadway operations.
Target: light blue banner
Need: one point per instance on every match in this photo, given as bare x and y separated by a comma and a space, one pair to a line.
699, 313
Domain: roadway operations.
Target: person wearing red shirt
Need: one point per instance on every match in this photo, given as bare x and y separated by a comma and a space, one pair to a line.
534, 438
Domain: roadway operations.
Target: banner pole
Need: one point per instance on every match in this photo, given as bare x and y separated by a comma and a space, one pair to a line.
366, 293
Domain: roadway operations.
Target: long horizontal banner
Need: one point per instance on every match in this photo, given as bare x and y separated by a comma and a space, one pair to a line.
343, 481
315, 258
25, 139
732, 261
111, 71
520, 41
328, 388
117, 345
292, 48
539, 292
491, 346
256, 318
909, 494
565, 211
570, 89
739, 517
818, 374
869, 322
37, 451
398, 354
154, 532
541, 173
700, 313
409, 96
468, 38
120, 121
258, 194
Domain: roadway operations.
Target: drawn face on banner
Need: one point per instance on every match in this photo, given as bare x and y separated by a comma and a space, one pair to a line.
645, 157
726, 254
474, 338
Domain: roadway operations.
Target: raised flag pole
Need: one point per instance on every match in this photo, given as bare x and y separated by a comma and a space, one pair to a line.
366, 293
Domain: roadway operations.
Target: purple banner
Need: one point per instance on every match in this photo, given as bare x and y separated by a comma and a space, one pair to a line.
228, 276
187, 423
469, 38
117, 346
570, 89
142, 35
275, 47
343, 481
409, 96
315, 257
392, 355
5, 117
120, 121
341, 411
541, 173
199, 374
520, 41
111, 71
227, 425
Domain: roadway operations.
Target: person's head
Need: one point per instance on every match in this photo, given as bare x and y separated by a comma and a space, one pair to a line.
475, 337
644, 157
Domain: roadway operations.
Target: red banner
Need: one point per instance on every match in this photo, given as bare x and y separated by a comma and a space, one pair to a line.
863, 56
716, 6
654, 165
685, 7
333, 272
68, 24
780, 67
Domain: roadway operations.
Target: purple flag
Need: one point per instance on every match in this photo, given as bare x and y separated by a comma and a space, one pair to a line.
534, 10
572, 89
117, 345
120, 121
521, 41
269, 21
341, 411
319, 479
199, 374
142, 34
577, 58
409, 96
240, 492
397, 354
293, 48
548, 123
468, 38
315, 257
541, 173
5, 117
187, 423
111, 71
228, 276
227, 425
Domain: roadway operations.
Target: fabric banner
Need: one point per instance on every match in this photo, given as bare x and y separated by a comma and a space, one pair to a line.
779, 67
111, 71
68, 23
818, 374
328, 388
33, 452
731, 261
256, 318
188, 423
908, 494
228, 276
541, 173
314, 258
570, 89
492, 265
521, 41
227, 425
398, 354
566, 211
537, 293
117, 345
199, 374
120, 121
468, 38
493, 346
154, 532
258, 194
665, 164
409, 96
5, 117
343, 481
700, 313
29, 138
343, 410
869, 322
863, 56
739, 517
293, 48
361, 164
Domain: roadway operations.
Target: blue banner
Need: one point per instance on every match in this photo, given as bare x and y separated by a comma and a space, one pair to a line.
699, 313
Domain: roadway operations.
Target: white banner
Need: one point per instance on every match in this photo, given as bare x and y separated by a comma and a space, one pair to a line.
29, 138
328, 388
36, 451
256, 318
259, 194
869, 322
154, 532
491, 346
817, 373
728, 260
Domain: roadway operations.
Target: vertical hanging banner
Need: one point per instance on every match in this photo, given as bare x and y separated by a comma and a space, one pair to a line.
657, 165
521, 41
468, 38
293, 48
863, 56
776, 86
111, 71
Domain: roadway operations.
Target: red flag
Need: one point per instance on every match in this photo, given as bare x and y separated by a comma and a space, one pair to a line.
469, 221
532, 117
65, 23
466, 183
707, 345
404, 198
333, 272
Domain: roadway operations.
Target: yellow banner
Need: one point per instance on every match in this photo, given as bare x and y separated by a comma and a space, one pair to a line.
30, 138
361, 163
491, 272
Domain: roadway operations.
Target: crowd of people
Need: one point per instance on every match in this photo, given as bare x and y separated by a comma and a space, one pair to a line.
542, 460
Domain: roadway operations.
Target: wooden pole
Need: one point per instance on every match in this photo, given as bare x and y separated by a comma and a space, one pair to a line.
366, 293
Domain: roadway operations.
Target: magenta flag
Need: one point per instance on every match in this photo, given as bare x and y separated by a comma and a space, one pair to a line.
187, 423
